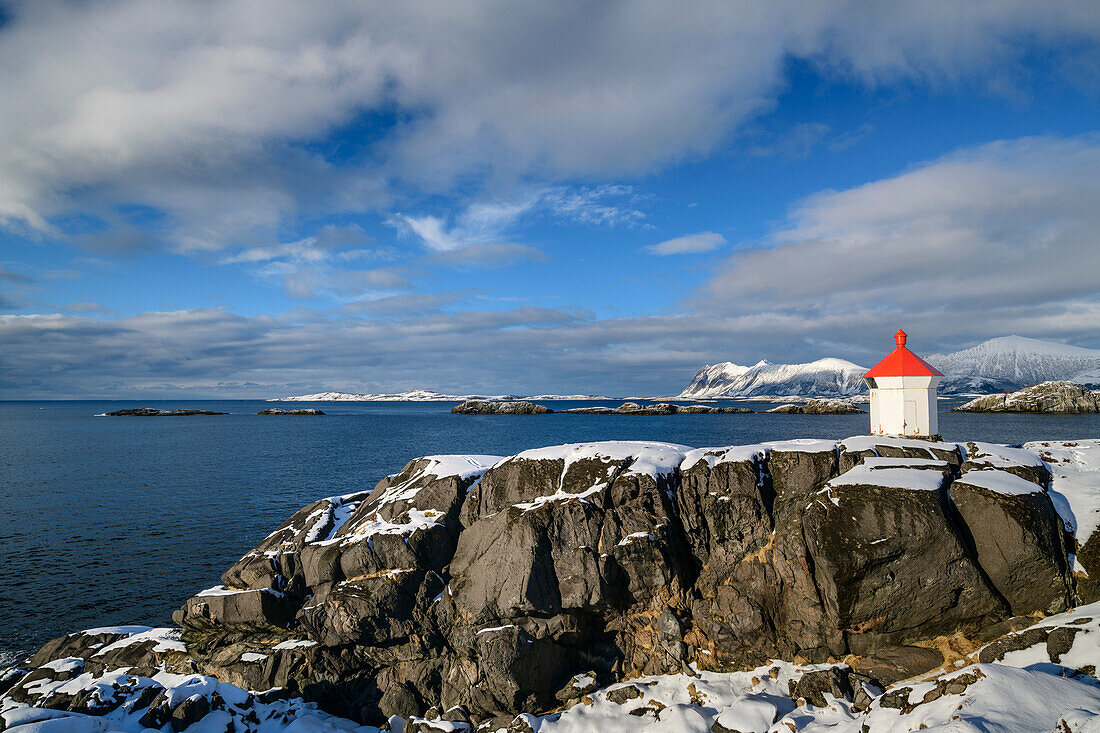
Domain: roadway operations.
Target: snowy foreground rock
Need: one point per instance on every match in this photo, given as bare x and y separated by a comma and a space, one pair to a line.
615, 586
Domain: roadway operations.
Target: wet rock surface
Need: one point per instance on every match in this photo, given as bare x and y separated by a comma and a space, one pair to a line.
496, 585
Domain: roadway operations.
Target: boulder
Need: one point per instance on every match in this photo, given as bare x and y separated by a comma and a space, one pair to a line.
1018, 537
798, 468
813, 686
221, 606
875, 537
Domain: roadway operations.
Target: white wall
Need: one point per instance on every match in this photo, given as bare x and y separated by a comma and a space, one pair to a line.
889, 411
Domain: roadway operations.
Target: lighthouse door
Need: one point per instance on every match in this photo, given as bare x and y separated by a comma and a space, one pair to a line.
910, 426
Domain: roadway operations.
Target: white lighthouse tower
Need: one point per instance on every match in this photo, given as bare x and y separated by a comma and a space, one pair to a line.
903, 394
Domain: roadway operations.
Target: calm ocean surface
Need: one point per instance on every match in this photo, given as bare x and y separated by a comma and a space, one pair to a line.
119, 520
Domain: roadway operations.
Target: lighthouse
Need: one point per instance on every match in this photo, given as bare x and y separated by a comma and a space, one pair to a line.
903, 394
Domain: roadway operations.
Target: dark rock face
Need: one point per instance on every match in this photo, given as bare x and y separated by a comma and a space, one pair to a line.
152, 412
502, 585
818, 407
812, 686
494, 407
1018, 538
1048, 397
301, 411
875, 537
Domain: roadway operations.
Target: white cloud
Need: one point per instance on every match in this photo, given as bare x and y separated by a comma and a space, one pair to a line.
431, 230
200, 109
990, 240
1010, 221
476, 233
314, 265
304, 250
687, 244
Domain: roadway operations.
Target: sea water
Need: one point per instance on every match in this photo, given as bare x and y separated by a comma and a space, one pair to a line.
118, 520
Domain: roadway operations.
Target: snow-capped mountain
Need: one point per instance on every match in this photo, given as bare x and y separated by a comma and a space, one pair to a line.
1001, 364
416, 395
821, 378
1013, 362
424, 395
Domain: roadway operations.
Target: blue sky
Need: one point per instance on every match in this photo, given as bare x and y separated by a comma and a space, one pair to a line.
250, 199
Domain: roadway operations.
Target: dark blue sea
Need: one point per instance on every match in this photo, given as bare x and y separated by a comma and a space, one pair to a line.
110, 520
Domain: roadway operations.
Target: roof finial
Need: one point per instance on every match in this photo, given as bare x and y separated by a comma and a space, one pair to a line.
899, 337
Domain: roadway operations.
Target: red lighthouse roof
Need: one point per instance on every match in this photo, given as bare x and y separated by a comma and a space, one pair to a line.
901, 362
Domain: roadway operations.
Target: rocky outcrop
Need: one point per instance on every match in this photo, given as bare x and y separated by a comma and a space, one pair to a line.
489, 585
1074, 470
658, 408
1048, 397
875, 536
493, 407
817, 407
1018, 538
301, 411
1037, 678
153, 412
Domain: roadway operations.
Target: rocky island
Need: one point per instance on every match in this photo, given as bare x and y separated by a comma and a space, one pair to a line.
500, 407
300, 411
817, 407
1048, 397
869, 584
153, 412
658, 408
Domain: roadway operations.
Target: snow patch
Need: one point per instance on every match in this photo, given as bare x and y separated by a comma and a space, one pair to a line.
1001, 482
294, 644
911, 479
1075, 482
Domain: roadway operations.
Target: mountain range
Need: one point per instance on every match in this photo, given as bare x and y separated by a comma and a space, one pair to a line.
821, 378
1013, 362
1000, 364
422, 395
997, 365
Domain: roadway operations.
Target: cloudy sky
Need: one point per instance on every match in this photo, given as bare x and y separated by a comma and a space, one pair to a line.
254, 197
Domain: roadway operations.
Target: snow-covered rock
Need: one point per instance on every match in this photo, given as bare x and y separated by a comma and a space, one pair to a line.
1074, 468
821, 378
1034, 679
469, 589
